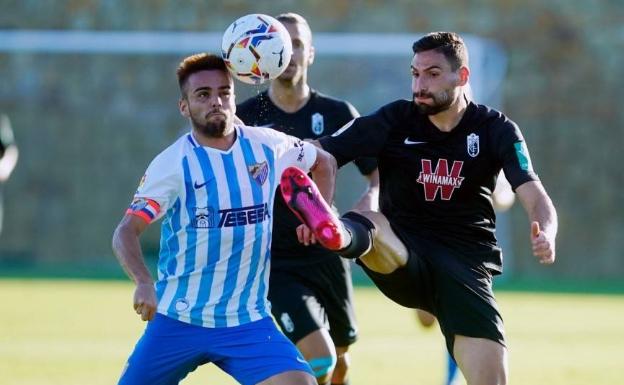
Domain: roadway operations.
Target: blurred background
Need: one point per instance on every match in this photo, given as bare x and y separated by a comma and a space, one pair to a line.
90, 90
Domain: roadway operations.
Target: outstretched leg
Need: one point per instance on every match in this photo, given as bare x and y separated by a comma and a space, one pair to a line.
365, 235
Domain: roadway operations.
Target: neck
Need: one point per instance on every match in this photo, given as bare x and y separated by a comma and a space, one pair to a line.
448, 119
222, 143
289, 97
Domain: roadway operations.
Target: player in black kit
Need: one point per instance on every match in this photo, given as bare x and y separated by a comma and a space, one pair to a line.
433, 245
310, 287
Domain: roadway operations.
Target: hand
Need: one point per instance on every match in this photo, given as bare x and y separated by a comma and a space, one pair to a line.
543, 245
145, 301
305, 235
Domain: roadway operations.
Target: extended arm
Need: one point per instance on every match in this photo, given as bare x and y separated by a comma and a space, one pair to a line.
127, 248
543, 218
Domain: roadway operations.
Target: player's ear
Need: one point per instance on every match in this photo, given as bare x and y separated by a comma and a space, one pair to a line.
183, 106
311, 57
464, 74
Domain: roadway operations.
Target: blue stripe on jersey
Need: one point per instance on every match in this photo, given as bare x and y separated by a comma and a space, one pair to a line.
257, 245
238, 239
214, 239
262, 288
189, 257
169, 247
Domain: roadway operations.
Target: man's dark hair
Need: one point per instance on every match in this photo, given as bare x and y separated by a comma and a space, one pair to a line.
196, 63
450, 44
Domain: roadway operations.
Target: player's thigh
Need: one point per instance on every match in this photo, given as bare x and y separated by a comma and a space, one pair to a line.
165, 354
388, 252
295, 304
465, 303
410, 286
317, 344
255, 352
482, 361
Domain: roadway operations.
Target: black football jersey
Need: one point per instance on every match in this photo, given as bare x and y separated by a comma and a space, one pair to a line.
321, 115
438, 184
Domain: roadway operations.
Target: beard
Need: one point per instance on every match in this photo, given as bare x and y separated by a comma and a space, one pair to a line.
214, 127
441, 102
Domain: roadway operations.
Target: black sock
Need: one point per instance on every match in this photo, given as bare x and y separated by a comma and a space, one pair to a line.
361, 230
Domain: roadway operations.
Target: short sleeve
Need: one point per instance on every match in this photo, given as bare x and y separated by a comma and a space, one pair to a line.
362, 137
158, 189
514, 155
301, 154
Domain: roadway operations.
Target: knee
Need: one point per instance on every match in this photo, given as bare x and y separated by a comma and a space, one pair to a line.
323, 368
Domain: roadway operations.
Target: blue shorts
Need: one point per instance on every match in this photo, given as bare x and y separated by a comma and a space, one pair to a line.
250, 353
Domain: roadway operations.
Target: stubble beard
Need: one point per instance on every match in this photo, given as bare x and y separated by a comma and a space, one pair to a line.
441, 102
213, 128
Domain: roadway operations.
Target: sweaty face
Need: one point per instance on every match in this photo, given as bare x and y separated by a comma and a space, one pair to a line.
435, 86
209, 103
302, 55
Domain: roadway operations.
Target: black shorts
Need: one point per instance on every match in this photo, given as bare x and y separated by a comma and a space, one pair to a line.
307, 298
445, 283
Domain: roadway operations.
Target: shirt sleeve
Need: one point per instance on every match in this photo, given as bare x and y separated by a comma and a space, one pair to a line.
158, 189
514, 156
362, 137
300, 154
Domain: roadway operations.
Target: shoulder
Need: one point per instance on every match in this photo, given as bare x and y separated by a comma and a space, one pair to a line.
496, 121
169, 159
332, 103
398, 107
264, 135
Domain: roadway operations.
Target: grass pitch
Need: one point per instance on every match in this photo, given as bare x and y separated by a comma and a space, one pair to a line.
81, 332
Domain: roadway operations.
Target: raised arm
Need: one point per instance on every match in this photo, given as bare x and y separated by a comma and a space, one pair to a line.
543, 218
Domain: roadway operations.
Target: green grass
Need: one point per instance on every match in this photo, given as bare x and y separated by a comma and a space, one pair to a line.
81, 332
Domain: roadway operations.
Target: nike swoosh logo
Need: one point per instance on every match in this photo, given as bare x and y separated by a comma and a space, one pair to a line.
408, 141
199, 185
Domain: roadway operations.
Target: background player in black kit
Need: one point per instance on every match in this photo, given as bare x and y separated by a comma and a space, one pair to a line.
433, 246
310, 287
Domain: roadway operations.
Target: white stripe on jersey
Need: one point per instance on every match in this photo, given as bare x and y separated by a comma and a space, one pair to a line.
213, 266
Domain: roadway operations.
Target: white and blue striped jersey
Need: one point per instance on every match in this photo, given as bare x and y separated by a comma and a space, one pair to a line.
214, 262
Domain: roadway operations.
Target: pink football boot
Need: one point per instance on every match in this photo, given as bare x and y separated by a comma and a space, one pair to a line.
303, 198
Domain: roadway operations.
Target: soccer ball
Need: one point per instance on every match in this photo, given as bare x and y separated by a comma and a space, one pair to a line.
256, 48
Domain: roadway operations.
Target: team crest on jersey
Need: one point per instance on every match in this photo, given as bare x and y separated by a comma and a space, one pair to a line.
181, 305
442, 179
259, 172
318, 124
204, 218
472, 141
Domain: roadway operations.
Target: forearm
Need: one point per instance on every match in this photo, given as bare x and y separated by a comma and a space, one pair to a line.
324, 175
543, 212
127, 249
